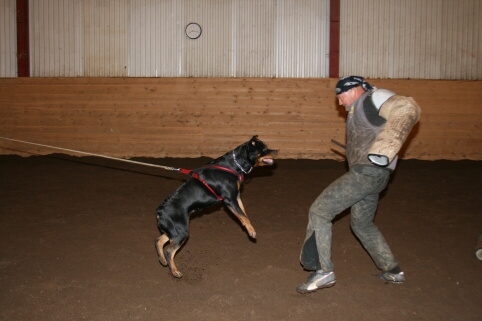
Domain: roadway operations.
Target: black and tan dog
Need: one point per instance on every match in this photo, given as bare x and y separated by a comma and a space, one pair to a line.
218, 181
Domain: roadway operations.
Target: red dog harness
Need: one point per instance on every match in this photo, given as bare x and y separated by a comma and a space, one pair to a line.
196, 176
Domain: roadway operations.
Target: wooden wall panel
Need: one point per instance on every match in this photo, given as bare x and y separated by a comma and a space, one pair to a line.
193, 117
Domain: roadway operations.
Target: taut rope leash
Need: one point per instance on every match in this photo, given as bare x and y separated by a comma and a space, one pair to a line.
92, 154
181, 170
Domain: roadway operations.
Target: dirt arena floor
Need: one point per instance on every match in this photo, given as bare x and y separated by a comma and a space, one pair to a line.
77, 243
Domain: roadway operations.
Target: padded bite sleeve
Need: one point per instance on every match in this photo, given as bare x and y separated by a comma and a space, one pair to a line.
401, 113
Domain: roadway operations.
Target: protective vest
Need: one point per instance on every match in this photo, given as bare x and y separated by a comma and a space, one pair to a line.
363, 124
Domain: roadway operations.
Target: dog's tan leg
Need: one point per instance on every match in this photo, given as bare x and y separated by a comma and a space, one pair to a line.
171, 252
243, 218
160, 248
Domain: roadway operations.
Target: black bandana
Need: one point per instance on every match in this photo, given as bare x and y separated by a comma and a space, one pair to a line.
347, 83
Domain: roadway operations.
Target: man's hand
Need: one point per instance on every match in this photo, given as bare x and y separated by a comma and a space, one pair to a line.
379, 160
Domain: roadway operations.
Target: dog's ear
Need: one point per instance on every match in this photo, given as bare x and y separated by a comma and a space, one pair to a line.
254, 139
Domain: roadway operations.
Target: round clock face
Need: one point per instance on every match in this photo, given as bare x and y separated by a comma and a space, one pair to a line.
193, 30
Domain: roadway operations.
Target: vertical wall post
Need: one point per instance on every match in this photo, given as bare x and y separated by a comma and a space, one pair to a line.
23, 48
334, 70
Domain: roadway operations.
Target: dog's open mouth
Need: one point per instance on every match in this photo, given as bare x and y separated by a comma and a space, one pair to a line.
267, 161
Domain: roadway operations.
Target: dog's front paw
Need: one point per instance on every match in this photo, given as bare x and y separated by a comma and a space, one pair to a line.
176, 274
252, 232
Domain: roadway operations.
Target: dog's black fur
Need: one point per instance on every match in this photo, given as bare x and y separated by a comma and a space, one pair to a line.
193, 195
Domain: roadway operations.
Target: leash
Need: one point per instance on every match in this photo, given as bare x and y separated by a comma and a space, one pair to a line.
92, 154
181, 170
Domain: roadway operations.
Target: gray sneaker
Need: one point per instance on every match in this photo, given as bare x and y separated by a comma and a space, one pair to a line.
317, 280
392, 277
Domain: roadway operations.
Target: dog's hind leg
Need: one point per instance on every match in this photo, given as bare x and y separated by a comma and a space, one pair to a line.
160, 248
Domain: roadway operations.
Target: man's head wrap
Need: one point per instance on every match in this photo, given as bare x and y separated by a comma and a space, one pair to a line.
347, 83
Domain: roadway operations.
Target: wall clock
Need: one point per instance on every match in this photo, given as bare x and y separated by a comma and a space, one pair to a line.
193, 30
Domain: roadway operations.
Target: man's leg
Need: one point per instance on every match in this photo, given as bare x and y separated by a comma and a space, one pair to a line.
316, 251
362, 215
338, 196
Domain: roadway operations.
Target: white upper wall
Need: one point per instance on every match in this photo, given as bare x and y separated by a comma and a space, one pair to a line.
429, 39
146, 38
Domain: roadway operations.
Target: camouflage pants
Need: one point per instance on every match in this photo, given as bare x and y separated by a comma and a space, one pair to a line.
359, 189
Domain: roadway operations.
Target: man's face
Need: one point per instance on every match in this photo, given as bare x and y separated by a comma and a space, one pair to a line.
347, 98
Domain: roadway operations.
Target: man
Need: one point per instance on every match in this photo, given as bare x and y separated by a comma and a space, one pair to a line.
377, 125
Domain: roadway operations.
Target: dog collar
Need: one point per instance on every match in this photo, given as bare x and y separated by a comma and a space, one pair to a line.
239, 166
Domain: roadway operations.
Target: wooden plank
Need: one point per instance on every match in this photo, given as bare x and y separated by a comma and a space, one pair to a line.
192, 117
